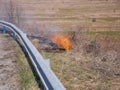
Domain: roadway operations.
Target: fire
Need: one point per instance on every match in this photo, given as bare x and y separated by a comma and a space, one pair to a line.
63, 41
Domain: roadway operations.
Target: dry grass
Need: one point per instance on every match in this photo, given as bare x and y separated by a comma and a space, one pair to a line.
91, 65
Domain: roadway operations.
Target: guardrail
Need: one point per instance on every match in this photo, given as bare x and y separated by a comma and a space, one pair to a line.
48, 78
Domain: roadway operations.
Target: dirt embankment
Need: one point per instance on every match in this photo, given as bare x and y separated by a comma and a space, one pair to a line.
8, 71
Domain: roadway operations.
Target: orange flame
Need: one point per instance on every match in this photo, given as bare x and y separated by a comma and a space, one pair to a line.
63, 41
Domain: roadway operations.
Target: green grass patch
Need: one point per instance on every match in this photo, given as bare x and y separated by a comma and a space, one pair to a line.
103, 32
68, 11
27, 79
110, 19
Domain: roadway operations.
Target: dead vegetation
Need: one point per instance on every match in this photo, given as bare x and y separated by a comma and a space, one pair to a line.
104, 56
92, 64
101, 50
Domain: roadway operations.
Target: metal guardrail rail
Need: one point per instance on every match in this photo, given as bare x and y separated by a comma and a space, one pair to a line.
48, 78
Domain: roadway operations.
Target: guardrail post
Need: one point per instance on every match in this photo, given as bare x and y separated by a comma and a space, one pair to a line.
14, 36
4, 30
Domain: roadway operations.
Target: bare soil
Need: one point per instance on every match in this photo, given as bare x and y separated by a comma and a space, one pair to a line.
8, 71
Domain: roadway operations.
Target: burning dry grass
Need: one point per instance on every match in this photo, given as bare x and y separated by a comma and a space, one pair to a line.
63, 41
